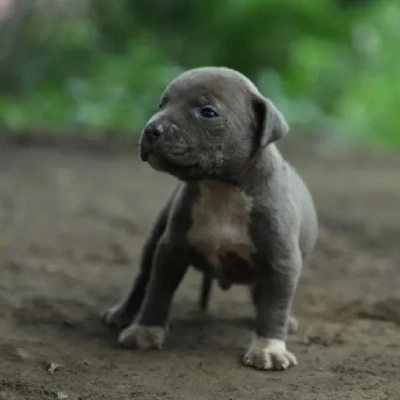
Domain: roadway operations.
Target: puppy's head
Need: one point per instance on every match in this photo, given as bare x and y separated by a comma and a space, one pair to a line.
210, 123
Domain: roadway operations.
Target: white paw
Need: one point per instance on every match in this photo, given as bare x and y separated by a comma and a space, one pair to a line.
142, 337
267, 354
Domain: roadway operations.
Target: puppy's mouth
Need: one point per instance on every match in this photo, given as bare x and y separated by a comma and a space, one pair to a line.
174, 167
192, 172
182, 168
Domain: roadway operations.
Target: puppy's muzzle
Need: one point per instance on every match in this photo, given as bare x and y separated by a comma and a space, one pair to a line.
165, 142
152, 132
150, 135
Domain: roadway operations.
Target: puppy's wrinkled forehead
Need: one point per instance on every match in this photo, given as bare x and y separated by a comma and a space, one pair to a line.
210, 85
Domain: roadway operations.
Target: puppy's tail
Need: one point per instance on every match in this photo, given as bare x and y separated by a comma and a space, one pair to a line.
205, 292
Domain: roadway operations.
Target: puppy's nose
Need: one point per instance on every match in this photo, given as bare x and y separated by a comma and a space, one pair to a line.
153, 132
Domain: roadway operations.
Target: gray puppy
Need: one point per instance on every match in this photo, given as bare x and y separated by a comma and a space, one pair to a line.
240, 214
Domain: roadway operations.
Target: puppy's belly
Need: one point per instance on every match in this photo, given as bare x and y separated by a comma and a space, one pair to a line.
220, 232
231, 270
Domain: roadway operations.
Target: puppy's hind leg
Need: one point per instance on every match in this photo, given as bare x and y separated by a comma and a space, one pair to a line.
121, 314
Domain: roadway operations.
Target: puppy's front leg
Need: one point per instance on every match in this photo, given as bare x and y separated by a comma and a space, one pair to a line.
276, 289
148, 331
122, 314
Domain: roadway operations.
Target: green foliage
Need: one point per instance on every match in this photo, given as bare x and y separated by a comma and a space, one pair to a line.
104, 64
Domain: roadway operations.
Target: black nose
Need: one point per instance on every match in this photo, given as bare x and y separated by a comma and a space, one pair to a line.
153, 132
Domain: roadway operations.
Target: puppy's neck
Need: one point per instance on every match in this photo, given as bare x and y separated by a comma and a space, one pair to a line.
218, 189
263, 163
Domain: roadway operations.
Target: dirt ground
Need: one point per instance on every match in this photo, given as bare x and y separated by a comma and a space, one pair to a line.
72, 224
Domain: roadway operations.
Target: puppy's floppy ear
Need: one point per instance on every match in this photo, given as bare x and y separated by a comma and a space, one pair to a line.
269, 122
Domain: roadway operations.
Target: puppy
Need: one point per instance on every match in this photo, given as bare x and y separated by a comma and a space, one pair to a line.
240, 213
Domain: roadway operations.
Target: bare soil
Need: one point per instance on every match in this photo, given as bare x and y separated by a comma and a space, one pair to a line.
72, 224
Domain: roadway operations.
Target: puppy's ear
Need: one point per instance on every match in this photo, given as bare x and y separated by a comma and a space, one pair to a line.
269, 122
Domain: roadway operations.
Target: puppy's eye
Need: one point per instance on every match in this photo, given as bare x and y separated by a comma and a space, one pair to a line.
208, 112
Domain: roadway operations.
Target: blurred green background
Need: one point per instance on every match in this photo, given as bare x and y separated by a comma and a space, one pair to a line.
332, 66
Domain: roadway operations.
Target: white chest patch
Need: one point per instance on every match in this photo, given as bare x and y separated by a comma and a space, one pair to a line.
221, 217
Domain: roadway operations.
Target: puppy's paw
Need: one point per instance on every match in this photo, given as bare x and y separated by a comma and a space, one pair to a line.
116, 316
142, 337
268, 354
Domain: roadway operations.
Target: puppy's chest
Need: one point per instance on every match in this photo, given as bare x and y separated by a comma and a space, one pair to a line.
221, 220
